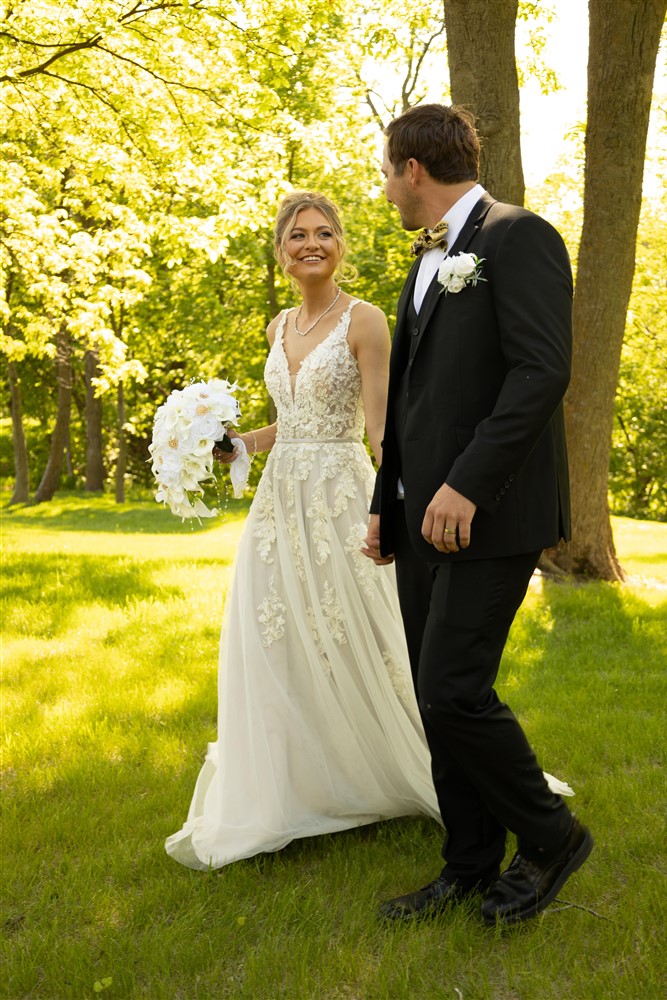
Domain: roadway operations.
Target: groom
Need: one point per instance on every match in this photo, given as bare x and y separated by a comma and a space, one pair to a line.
473, 486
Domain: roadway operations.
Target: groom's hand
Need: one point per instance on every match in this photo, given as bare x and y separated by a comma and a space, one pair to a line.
447, 520
372, 546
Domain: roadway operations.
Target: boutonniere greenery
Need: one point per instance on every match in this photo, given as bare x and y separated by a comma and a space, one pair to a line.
456, 272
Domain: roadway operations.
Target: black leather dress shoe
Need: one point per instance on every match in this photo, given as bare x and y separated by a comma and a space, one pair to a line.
434, 898
528, 886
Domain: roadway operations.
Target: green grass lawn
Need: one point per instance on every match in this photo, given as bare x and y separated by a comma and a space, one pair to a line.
111, 620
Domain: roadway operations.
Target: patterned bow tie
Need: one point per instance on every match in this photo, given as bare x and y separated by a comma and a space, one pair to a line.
430, 238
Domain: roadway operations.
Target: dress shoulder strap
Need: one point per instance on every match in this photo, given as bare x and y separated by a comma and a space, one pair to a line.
280, 329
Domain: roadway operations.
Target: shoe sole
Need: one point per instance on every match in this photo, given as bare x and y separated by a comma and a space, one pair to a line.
575, 862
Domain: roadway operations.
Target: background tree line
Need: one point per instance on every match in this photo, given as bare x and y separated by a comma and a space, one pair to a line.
147, 145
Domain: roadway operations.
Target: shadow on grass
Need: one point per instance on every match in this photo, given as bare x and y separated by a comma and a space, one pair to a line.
607, 623
59, 585
90, 875
101, 514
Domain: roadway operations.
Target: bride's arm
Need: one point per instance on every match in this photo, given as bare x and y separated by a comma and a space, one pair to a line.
260, 439
263, 438
370, 343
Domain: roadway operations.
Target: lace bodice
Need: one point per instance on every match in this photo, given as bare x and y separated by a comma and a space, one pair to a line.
324, 400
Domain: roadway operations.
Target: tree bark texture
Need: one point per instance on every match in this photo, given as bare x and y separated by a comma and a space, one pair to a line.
60, 437
623, 45
121, 460
94, 460
483, 78
21, 493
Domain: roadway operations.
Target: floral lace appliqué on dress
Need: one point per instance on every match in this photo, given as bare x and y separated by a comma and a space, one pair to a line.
318, 728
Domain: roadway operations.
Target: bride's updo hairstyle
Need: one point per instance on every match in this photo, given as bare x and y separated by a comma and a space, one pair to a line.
286, 220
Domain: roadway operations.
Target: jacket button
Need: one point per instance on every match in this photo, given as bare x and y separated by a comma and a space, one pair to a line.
507, 485
497, 496
415, 332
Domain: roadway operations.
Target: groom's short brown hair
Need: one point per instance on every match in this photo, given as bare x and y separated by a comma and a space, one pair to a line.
443, 139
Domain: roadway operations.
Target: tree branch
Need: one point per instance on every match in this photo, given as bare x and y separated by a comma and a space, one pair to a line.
376, 114
157, 76
35, 45
412, 75
138, 11
576, 906
89, 43
105, 100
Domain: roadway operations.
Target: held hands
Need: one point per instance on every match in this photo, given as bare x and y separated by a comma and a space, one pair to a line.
447, 520
372, 546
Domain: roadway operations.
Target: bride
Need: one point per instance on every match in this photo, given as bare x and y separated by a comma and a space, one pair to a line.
318, 726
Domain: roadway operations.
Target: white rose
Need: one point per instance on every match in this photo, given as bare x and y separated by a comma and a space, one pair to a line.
166, 460
464, 264
167, 478
176, 421
445, 271
207, 426
456, 284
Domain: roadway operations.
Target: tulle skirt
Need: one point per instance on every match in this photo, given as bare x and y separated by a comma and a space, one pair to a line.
318, 725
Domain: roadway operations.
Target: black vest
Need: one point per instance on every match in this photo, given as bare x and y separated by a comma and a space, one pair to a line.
401, 397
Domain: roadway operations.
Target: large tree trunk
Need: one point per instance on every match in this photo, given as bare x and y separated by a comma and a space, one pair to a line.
121, 460
623, 44
94, 461
21, 492
483, 78
60, 437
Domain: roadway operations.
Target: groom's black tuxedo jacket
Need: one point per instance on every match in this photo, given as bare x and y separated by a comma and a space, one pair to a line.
475, 391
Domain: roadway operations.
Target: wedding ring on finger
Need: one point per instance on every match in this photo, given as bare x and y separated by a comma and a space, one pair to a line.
450, 531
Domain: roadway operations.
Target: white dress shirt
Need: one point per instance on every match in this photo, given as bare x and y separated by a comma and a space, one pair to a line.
430, 261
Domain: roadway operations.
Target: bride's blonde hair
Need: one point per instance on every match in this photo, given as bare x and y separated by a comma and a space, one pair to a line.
285, 220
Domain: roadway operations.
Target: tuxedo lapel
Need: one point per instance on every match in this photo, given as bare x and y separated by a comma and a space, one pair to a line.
470, 227
472, 224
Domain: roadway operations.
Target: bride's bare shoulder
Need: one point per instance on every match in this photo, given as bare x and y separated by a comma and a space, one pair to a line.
367, 310
368, 320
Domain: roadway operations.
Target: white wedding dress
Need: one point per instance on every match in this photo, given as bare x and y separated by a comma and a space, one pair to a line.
318, 725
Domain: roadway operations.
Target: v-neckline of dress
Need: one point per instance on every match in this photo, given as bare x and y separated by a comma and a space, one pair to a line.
296, 375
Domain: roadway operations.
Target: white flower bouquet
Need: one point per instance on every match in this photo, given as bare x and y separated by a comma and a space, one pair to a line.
185, 429
460, 270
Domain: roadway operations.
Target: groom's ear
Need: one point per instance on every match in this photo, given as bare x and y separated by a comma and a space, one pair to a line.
414, 171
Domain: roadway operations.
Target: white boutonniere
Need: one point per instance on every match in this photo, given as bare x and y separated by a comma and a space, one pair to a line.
456, 272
